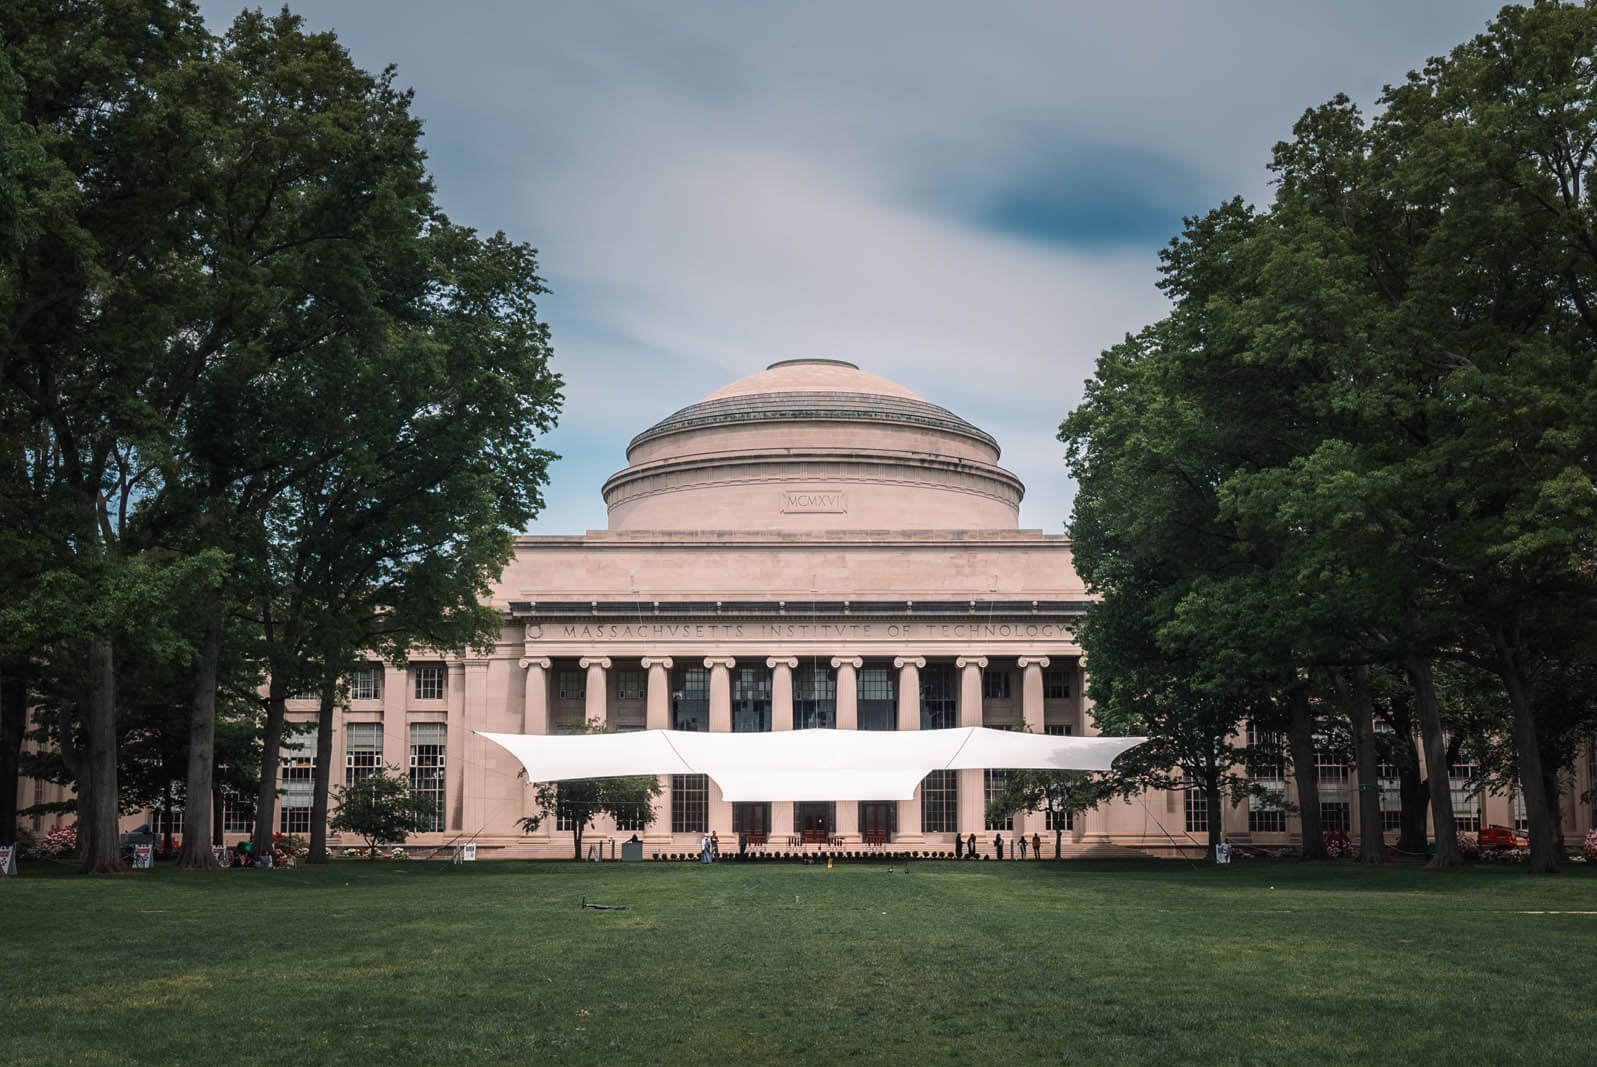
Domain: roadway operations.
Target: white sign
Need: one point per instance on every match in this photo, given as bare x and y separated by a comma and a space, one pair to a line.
8, 861
143, 857
469, 853
219, 853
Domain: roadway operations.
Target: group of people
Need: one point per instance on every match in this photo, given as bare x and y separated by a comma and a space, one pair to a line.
709, 848
964, 848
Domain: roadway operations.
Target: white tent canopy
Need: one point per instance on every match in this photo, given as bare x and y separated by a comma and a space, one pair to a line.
806, 764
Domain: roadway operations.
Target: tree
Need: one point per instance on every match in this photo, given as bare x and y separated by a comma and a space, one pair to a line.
241, 341
381, 808
577, 802
107, 154
1061, 794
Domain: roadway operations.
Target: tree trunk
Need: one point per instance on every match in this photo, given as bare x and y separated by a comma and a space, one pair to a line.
1413, 794
322, 776
196, 853
1545, 846
218, 829
98, 839
1211, 800
576, 841
271, 743
13, 723
1361, 717
1059, 836
1430, 716
1300, 738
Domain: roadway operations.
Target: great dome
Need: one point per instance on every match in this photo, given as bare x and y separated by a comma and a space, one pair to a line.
813, 444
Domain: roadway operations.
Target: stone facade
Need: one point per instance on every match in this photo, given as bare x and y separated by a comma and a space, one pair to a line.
809, 546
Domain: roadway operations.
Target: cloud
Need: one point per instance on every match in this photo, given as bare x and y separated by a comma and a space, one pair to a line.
968, 199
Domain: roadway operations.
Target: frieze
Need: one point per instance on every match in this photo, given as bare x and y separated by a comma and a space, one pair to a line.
798, 631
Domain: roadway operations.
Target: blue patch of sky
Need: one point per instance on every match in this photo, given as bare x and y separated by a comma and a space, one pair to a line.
1083, 194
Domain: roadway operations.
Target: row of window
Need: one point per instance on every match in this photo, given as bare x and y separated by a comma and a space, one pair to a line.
1267, 817
367, 683
1267, 752
872, 684
816, 683
363, 757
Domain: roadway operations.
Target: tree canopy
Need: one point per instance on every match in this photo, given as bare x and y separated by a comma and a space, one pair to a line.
1366, 435
272, 410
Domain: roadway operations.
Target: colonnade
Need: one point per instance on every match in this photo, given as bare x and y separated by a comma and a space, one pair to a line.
538, 719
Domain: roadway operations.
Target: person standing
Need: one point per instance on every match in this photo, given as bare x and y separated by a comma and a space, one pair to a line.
970, 847
1020, 841
715, 847
959, 847
998, 845
1036, 847
704, 849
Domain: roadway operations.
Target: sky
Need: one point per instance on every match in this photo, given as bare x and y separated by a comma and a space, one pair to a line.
966, 198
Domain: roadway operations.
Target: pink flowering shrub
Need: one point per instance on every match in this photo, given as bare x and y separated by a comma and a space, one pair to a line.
1469, 844
61, 841
1337, 844
1590, 847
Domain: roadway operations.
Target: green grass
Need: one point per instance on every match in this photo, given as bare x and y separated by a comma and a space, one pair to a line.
939, 962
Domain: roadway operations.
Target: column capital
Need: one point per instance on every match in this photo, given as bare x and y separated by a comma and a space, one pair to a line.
457, 667
477, 665
917, 662
970, 661
535, 661
655, 661
720, 661
594, 661
1032, 661
790, 662
853, 661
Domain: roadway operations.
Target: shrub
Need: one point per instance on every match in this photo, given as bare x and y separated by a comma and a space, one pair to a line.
1337, 844
1469, 844
1589, 850
60, 841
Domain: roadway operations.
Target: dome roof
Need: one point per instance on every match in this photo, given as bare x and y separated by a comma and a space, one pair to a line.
811, 389
812, 375
813, 444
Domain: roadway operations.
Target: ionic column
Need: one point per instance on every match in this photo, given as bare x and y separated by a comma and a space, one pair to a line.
1031, 668
970, 668
909, 719
721, 820
847, 694
909, 830
908, 698
972, 783
847, 818
1088, 727
596, 703
535, 701
657, 716
720, 693
782, 705
781, 823
657, 709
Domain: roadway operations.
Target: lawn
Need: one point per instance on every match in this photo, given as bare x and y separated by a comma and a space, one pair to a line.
935, 962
